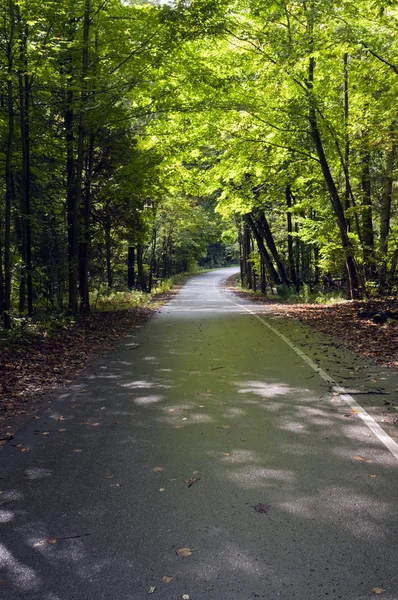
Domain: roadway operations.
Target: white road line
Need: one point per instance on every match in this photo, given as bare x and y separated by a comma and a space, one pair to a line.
361, 412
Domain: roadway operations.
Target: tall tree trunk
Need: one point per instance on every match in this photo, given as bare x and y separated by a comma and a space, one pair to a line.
84, 247
140, 268
346, 139
263, 281
353, 282
241, 261
79, 174
9, 196
72, 206
246, 253
272, 272
131, 268
293, 276
24, 102
367, 221
152, 268
1, 270
385, 213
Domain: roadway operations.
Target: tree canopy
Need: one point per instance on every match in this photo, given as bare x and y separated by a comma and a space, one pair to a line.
139, 138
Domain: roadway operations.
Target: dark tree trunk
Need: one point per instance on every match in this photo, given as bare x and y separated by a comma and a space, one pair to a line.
346, 139
248, 275
273, 274
108, 246
263, 282
140, 268
367, 220
131, 268
264, 227
290, 251
24, 108
1, 271
72, 205
353, 282
84, 247
78, 195
385, 214
8, 168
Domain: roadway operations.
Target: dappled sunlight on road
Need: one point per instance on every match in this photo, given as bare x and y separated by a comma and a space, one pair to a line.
205, 435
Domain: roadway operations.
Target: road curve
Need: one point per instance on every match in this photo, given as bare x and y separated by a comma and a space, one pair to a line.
203, 430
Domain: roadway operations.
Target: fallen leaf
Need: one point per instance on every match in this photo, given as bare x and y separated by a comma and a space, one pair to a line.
184, 552
369, 461
355, 411
158, 469
116, 485
378, 590
167, 579
192, 480
152, 589
372, 475
347, 415
185, 597
261, 508
357, 458
226, 453
25, 450
162, 489
45, 433
62, 430
61, 418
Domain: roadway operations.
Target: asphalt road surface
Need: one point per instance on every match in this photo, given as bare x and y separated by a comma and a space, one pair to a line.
204, 430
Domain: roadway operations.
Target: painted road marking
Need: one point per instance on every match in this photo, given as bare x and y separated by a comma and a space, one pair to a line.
379, 432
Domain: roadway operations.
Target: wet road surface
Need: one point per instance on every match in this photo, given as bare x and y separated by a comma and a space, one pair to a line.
203, 430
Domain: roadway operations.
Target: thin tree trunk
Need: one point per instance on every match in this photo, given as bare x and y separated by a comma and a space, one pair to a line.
293, 275
367, 220
79, 172
130, 268
353, 283
72, 206
346, 139
24, 100
153, 259
8, 168
247, 249
140, 268
84, 247
263, 282
385, 214
1, 271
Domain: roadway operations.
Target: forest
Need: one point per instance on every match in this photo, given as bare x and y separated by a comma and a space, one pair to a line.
138, 139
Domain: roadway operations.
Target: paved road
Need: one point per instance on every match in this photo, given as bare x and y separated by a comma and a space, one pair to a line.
281, 506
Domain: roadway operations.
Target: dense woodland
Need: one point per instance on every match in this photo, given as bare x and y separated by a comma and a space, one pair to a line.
136, 136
